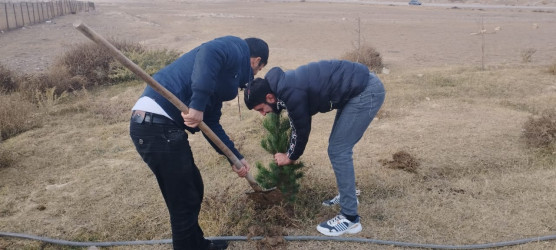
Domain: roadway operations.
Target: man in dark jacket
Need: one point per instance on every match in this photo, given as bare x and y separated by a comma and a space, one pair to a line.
323, 86
202, 79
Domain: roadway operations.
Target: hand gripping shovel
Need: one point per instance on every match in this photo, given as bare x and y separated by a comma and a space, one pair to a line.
259, 195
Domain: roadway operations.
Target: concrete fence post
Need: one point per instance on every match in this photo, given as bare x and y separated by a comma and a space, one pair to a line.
38, 11
35, 13
48, 10
15, 16
28, 14
21, 12
6, 11
51, 8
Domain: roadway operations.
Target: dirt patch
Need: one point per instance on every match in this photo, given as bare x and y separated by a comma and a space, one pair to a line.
402, 160
266, 198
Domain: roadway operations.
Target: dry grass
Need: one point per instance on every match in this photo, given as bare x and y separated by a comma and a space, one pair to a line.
7, 80
92, 62
6, 158
82, 67
540, 131
552, 69
16, 115
57, 78
77, 176
527, 55
476, 181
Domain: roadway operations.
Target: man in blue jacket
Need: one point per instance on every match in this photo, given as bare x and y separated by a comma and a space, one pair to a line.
323, 86
202, 79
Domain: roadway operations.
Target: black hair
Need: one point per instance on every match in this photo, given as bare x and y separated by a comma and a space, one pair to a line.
258, 48
256, 92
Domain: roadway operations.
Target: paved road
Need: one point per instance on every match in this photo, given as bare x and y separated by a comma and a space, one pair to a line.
446, 5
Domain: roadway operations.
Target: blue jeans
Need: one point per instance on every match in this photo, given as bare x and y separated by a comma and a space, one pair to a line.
166, 151
349, 125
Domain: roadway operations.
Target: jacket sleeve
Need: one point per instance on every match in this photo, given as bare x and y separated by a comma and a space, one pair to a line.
210, 59
212, 119
300, 121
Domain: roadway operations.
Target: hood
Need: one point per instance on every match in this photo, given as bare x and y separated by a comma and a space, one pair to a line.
274, 76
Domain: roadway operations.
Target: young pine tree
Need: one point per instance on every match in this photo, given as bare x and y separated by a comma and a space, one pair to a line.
286, 178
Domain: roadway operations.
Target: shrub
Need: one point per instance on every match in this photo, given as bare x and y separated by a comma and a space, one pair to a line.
92, 62
7, 80
88, 65
366, 55
6, 159
540, 131
150, 61
527, 55
49, 98
15, 116
58, 80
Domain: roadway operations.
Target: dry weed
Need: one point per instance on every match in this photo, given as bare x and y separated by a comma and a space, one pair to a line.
16, 116
552, 68
92, 62
111, 111
527, 55
6, 158
150, 61
7, 80
243, 216
57, 78
366, 55
271, 223
540, 131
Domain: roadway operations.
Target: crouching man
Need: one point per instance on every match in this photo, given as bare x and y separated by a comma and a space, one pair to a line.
323, 86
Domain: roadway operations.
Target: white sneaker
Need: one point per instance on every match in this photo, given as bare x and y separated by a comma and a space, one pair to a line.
339, 225
336, 199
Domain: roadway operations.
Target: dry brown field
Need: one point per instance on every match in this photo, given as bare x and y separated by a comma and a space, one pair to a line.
459, 89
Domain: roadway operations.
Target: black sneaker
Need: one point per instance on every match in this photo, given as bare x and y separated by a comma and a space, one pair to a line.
217, 245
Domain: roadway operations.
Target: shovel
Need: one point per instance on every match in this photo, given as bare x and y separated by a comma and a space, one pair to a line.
259, 195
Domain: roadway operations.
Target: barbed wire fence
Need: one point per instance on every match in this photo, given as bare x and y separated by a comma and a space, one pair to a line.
15, 15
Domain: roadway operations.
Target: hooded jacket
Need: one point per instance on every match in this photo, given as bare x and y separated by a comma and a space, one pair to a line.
202, 79
316, 87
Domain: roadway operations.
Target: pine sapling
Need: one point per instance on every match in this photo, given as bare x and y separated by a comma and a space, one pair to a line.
286, 178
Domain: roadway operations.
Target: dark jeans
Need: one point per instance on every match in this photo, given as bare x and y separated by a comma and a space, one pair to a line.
166, 151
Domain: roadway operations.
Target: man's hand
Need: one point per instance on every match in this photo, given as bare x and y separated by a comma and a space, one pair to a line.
282, 159
193, 118
242, 172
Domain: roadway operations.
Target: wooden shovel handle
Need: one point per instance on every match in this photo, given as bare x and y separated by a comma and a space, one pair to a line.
98, 39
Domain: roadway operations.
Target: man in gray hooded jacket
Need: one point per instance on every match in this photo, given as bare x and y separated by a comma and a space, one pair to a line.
323, 86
